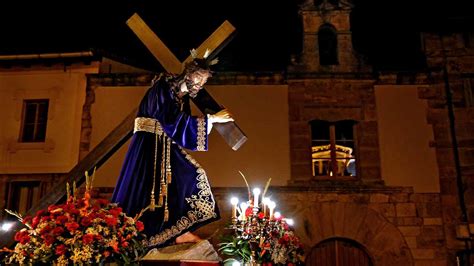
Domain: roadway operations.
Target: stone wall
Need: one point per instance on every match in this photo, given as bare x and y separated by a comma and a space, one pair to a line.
450, 58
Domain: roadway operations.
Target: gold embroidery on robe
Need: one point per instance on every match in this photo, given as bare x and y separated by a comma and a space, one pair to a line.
202, 204
201, 134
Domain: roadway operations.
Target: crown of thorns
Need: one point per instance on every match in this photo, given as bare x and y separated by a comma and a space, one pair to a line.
203, 63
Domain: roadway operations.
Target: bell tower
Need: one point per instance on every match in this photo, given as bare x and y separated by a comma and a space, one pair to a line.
331, 94
327, 38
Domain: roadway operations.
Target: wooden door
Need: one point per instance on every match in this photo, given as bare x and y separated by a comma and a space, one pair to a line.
338, 252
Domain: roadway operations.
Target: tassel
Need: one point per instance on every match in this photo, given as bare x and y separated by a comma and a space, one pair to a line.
152, 203
160, 201
168, 177
167, 214
164, 189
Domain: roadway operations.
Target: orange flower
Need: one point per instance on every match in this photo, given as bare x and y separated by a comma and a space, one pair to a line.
114, 245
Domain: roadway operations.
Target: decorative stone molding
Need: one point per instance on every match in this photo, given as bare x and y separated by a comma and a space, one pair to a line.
14, 146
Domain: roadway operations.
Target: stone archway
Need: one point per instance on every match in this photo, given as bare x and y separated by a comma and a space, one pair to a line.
383, 241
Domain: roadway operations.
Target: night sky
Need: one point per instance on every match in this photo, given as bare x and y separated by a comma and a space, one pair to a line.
268, 31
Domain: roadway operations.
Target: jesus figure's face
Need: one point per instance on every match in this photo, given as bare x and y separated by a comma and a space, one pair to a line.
195, 81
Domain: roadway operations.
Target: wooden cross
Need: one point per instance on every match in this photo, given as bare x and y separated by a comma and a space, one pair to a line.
231, 133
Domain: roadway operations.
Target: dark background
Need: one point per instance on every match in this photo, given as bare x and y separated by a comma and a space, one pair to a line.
268, 31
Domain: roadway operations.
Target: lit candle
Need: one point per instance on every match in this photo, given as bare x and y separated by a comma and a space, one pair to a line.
277, 215
272, 206
243, 207
256, 193
265, 202
234, 201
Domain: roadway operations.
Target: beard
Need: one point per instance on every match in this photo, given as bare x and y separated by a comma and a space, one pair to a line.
192, 89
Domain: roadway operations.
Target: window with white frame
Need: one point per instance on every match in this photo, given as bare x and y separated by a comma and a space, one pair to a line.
34, 120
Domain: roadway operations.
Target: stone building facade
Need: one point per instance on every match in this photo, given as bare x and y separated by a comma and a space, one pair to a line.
396, 225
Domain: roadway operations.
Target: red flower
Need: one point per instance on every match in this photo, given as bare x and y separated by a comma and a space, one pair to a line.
27, 219
45, 230
125, 244
72, 226
248, 212
106, 254
52, 207
101, 202
35, 221
86, 221
40, 213
49, 239
70, 208
115, 211
111, 221
58, 231
60, 249
261, 215
81, 203
45, 219
87, 239
22, 237
61, 219
140, 226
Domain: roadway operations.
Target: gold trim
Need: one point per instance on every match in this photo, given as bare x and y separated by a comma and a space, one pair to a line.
148, 125
203, 206
201, 134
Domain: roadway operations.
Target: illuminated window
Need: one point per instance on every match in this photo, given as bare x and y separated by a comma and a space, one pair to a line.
35, 118
333, 148
327, 41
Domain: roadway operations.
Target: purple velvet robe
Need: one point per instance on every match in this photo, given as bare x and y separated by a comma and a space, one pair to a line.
190, 200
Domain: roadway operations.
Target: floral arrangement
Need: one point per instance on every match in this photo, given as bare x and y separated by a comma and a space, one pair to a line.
260, 235
277, 245
80, 231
